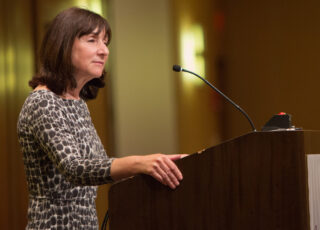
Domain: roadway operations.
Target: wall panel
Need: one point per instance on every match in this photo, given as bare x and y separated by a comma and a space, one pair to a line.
16, 64
272, 58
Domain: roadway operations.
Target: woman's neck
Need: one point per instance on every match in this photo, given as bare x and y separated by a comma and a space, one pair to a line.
73, 94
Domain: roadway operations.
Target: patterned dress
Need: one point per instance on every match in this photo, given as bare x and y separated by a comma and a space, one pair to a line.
64, 160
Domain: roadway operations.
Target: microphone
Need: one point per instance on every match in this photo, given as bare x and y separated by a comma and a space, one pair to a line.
178, 68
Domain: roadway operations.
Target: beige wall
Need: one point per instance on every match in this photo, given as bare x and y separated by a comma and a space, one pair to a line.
142, 81
199, 108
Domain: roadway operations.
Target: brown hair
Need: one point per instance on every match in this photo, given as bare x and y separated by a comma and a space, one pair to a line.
56, 69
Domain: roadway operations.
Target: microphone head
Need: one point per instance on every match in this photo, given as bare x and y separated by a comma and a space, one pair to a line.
177, 68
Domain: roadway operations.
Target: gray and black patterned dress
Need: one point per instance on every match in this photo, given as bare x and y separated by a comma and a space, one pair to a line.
64, 159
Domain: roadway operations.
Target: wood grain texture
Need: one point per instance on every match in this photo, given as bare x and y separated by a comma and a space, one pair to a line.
256, 181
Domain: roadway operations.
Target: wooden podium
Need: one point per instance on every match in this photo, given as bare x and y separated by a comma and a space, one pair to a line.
262, 180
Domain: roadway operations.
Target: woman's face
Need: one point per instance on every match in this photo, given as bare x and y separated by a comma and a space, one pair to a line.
89, 55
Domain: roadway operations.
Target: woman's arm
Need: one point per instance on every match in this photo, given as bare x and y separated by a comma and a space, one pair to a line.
57, 139
63, 150
159, 166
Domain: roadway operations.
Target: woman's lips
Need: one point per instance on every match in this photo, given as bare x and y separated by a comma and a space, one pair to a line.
99, 62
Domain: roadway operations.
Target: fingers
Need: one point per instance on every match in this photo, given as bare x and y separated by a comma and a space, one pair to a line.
159, 174
168, 176
173, 168
158, 177
163, 169
177, 156
172, 174
174, 157
167, 179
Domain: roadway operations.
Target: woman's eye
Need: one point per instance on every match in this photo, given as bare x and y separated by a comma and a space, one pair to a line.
91, 40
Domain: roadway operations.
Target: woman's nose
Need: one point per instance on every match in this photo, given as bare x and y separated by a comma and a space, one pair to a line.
103, 49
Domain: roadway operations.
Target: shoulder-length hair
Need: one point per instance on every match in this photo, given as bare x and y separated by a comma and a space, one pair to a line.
56, 69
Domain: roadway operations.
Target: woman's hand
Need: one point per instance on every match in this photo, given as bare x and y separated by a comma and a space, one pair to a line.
162, 168
159, 166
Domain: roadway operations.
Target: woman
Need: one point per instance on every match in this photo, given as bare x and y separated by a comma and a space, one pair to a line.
63, 155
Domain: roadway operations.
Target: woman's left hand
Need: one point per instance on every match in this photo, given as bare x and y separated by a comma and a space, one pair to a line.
162, 168
159, 166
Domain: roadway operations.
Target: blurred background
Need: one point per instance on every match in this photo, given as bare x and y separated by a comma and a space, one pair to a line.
265, 55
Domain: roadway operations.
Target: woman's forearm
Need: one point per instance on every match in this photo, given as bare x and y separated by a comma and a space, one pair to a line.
125, 167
